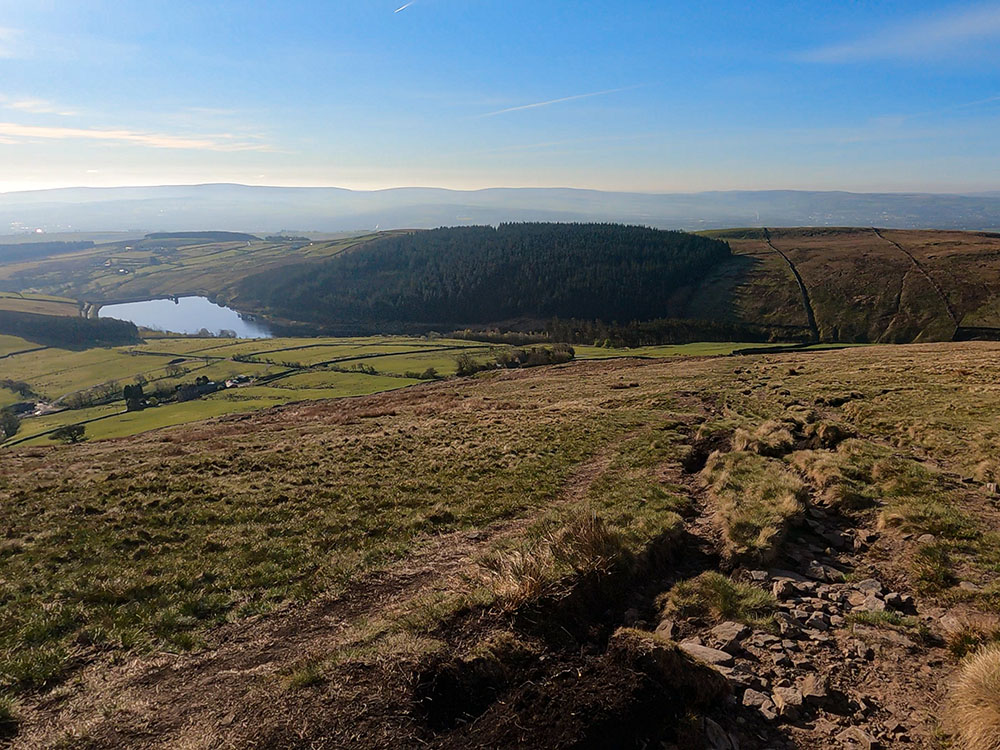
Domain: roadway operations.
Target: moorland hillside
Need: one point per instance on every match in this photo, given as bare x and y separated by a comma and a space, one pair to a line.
831, 285
753, 552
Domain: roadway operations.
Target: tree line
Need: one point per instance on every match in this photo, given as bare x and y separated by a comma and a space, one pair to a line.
67, 331
483, 275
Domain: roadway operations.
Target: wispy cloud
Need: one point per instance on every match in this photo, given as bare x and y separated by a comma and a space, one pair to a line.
403, 7
550, 102
926, 37
34, 106
222, 142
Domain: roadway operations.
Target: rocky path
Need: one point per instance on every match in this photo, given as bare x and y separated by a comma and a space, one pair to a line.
852, 663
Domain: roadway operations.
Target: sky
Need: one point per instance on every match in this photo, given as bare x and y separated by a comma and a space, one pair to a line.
635, 95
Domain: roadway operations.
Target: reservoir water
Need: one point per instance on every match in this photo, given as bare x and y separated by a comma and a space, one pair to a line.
186, 315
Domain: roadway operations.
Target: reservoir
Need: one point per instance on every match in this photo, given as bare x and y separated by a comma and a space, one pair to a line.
186, 315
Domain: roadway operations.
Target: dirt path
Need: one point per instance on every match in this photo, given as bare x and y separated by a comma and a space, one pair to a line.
806, 303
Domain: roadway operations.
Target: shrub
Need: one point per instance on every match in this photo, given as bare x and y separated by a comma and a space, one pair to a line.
9, 423
974, 704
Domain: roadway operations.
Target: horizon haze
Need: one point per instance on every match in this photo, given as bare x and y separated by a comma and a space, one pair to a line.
268, 209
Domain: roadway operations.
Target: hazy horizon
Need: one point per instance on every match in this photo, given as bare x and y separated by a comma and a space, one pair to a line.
554, 187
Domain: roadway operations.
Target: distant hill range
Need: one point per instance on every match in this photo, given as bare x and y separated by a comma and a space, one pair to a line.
268, 209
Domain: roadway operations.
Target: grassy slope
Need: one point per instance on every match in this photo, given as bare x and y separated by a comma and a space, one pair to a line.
864, 288
149, 542
40, 304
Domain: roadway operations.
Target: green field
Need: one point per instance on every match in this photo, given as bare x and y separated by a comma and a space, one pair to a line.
306, 368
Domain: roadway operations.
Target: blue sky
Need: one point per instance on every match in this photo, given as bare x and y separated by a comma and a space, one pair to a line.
646, 95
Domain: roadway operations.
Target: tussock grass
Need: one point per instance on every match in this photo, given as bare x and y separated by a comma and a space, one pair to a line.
919, 499
932, 568
546, 567
971, 635
756, 498
842, 478
715, 597
974, 703
773, 438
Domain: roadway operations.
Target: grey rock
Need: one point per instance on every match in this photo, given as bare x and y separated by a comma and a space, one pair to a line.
823, 572
706, 654
788, 701
853, 737
788, 628
893, 600
817, 621
667, 629
754, 699
871, 604
763, 640
814, 689
799, 615
729, 636
783, 589
869, 586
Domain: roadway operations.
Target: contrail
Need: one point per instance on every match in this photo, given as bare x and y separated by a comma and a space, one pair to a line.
536, 105
400, 10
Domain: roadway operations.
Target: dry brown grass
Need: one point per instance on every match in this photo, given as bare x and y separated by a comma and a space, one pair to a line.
839, 476
545, 567
772, 438
756, 499
974, 704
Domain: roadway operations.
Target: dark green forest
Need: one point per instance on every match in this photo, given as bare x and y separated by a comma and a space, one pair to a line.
484, 275
68, 332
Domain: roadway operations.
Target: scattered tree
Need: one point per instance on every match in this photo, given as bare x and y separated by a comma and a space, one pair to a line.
134, 398
71, 433
9, 423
